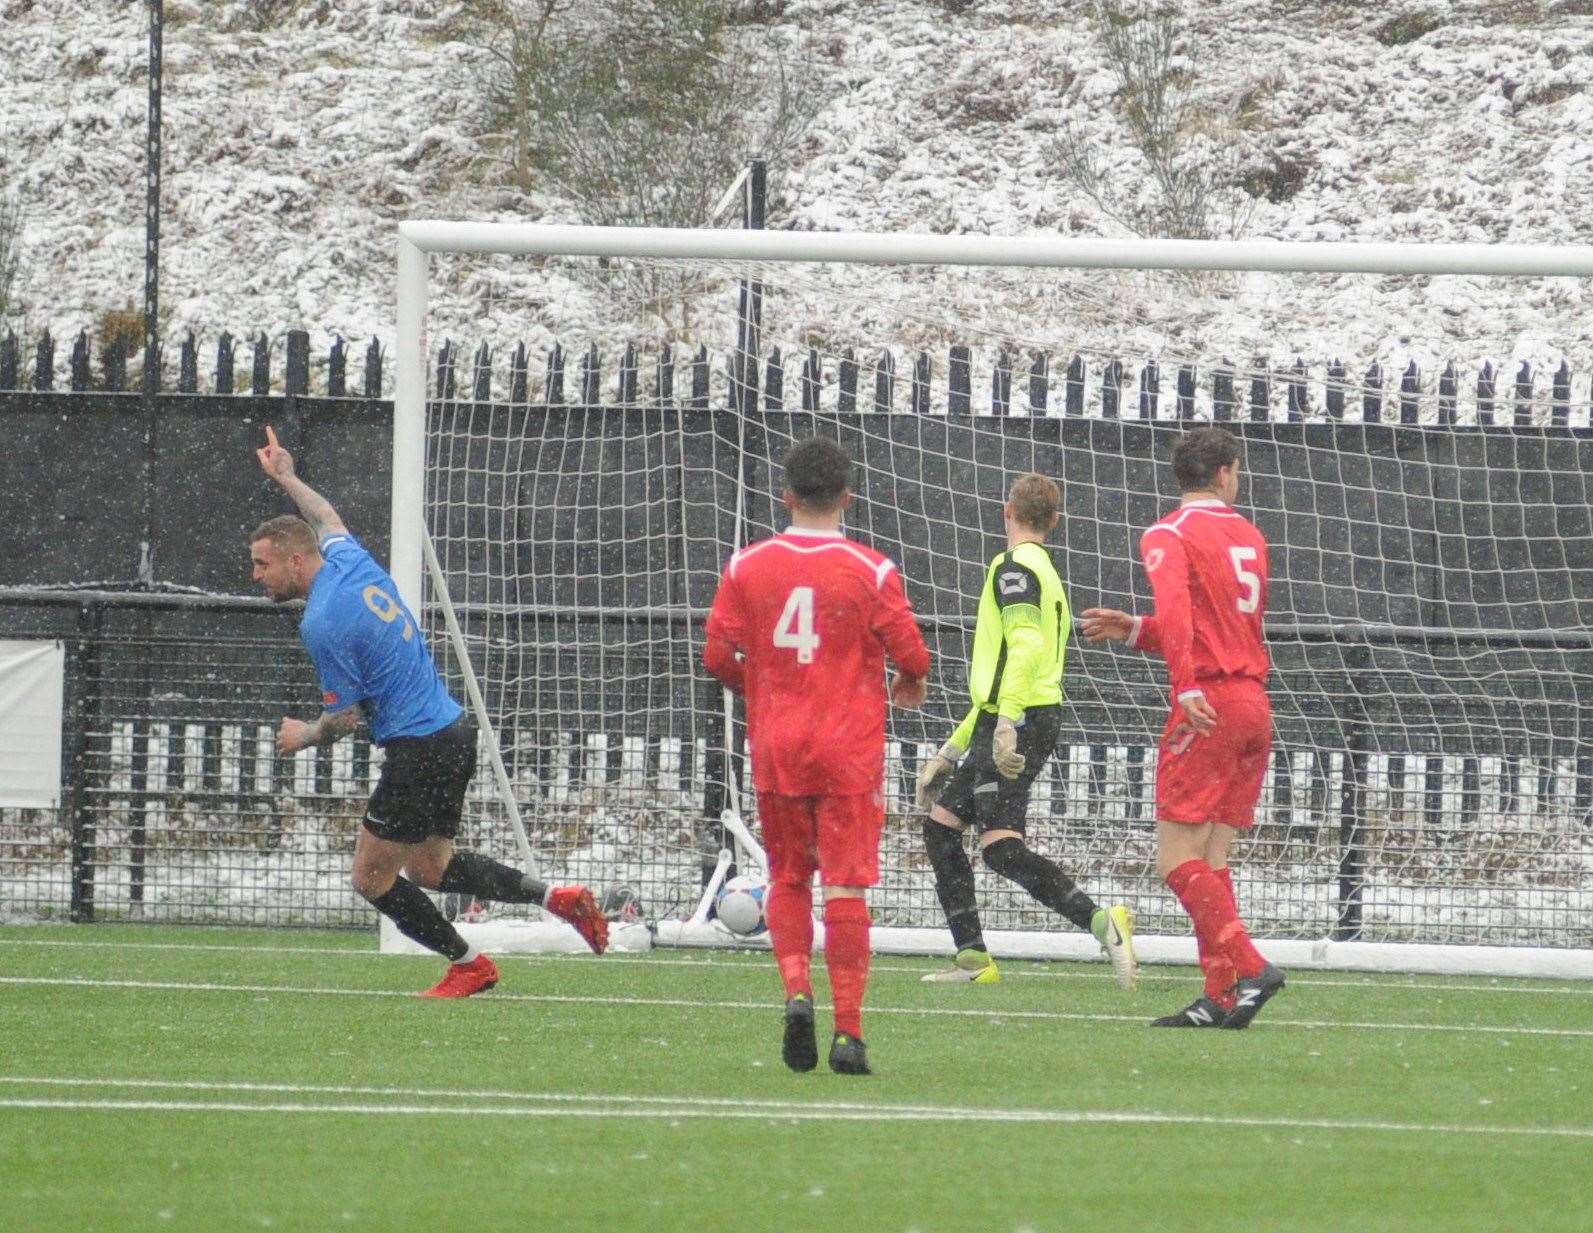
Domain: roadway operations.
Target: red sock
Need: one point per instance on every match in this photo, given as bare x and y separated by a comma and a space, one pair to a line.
1219, 970
789, 909
1255, 960
1217, 925
846, 922
1220, 976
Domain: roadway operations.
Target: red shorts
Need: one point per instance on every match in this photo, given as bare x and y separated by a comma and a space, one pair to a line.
837, 835
1216, 778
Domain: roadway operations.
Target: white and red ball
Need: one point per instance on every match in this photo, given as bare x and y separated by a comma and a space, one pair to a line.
739, 906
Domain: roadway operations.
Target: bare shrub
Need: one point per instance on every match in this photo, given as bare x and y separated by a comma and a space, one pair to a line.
268, 14
1406, 28
639, 112
1191, 154
123, 325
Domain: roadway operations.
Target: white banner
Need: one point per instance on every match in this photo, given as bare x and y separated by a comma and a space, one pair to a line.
31, 680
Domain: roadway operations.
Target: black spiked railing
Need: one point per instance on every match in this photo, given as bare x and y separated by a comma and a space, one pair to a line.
884, 380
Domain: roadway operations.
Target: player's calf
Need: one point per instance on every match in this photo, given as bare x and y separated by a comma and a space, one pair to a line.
415, 916
954, 886
1044, 879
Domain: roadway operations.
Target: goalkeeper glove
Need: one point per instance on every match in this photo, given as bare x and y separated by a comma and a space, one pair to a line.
933, 774
1004, 749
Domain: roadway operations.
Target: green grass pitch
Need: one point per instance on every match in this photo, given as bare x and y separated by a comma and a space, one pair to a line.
193, 1079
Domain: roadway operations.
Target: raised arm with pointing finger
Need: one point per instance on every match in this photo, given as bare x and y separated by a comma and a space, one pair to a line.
277, 463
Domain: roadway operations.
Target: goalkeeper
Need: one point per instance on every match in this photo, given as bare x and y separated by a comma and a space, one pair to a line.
983, 773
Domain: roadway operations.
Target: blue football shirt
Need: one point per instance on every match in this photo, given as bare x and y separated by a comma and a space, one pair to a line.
368, 648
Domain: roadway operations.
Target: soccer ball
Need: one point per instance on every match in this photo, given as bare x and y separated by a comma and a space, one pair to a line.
740, 905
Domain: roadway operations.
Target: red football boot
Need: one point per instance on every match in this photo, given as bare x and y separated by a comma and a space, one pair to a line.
463, 979
576, 905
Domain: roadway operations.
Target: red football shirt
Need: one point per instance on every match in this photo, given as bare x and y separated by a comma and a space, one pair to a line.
813, 616
1208, 569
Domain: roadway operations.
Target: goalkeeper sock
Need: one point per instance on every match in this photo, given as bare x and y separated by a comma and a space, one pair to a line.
846, 922
1016, 861
1217, 925
470, 873
789, 910
954, 884
419, 919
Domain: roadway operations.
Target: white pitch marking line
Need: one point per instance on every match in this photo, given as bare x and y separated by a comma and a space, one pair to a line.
690, 1004
762, 1112
320, 1089
1068, 969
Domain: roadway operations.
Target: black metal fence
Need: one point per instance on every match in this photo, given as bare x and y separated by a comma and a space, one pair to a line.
176, 806
1376, 821
1433, 777
1261, 389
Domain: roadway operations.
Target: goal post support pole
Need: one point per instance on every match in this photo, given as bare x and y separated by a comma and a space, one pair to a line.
478, 704
409, 426
731, 821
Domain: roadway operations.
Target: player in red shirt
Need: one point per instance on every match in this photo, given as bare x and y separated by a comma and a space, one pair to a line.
801, 625
1208, 569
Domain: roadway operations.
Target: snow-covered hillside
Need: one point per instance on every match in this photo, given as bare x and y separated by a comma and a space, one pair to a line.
292, 153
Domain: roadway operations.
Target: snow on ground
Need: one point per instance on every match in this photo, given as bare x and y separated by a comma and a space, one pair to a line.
292, 153
1519, 879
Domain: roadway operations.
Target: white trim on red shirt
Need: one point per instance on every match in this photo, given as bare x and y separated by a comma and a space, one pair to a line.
1206, 505
830, 539
824, 534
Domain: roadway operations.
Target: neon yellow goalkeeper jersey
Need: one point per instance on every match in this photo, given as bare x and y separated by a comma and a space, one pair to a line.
1020, 639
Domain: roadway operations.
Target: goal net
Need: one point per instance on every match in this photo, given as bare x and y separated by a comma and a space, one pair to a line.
1417, 452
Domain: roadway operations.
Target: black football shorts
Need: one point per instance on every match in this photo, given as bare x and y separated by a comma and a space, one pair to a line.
421, 792
979, 795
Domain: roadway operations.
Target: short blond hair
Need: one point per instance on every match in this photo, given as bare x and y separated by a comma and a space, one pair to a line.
287, 533
1036, 500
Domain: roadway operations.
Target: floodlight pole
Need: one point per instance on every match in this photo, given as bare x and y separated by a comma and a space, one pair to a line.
151, 383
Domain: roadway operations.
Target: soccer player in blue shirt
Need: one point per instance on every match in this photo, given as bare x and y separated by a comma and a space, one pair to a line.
374, 664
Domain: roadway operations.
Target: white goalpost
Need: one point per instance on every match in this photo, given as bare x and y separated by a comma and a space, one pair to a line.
1429, 807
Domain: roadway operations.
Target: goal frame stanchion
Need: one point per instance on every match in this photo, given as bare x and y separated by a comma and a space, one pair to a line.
417, 239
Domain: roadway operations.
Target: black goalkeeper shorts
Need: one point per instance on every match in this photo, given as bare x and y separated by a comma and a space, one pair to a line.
421, 792
979, 795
